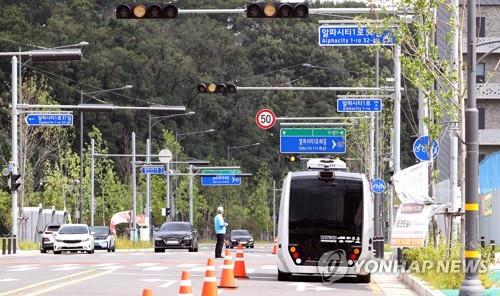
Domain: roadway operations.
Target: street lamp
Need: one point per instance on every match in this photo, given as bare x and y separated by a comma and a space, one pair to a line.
177, 139
229, 148
162, 118
82, 94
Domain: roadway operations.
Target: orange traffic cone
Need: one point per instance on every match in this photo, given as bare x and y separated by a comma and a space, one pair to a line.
147, 292
227, 278
239, 263
210, 281
185, 288
275, 247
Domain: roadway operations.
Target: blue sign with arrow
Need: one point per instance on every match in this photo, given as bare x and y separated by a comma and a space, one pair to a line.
359, 105
312, 140
421, 151
49, 119
153, 170
222, 177
378, 186
353, 36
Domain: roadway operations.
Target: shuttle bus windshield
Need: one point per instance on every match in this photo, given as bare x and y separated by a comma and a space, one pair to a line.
325, 215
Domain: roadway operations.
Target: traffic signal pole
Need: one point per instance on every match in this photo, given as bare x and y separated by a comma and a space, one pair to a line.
318, 11
15, 161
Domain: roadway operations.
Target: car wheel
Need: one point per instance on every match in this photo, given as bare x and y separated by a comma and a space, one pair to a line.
283, 276
159, 250
114, 249
43, 251
247, 247
364, 279
196, 249
252, 247
57, 252
109, 250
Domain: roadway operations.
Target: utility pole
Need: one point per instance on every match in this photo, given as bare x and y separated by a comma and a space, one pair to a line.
133, 233
274, 209
92, 196
397, 108
471, 285
191, 180
148, 186
15, 161
80, 210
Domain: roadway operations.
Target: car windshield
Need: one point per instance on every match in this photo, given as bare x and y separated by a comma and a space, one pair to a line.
240, 232
53, 228
73, 229
100, 230
175, 227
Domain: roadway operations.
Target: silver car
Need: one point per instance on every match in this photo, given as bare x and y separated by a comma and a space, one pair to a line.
103, 238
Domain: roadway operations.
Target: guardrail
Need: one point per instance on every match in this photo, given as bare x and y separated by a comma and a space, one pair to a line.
9, 245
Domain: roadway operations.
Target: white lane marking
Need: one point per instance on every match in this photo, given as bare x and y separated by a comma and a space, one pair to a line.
65, 267
250, 270
167, 284
23, 267
111, 267
8, 280
151, 280
146, 264
187, 265
198, 269
105, 264
155, 268
268, 267
301, 287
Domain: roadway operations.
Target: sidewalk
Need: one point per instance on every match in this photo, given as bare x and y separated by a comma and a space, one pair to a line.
390, 284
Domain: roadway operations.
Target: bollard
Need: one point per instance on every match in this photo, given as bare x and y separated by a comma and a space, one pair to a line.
4, 247
14, 245
9, 246
483, 242
492, 248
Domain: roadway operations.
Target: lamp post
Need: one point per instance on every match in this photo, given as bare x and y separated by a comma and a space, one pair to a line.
178, 136
82, 94
229, 148
162, 118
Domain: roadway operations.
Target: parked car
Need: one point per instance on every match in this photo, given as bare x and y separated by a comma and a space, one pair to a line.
242, 236
103, 238
74, 237
176, 235
47, 239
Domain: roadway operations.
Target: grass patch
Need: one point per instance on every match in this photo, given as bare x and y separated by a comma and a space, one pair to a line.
387, 248
122, 243
28, 246
435, 276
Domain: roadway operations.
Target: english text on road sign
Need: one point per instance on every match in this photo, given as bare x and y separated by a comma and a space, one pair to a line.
353, 36
221, 178
49, 119
378, 186
359, 105
313, 140
265, 118
421, 151
153, 170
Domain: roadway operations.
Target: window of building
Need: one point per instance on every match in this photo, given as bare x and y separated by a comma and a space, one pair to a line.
480, 73
480, 26
482, 118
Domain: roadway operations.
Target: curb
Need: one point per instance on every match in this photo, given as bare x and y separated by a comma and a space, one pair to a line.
417, 285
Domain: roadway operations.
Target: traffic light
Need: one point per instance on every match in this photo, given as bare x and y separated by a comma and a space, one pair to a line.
277, 10
217, 88
15, 183
146, 11
292, 158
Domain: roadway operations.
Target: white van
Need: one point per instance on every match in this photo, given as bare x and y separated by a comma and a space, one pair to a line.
325, 210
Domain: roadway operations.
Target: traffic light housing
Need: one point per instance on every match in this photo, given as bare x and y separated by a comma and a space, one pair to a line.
292, 158
217, 88
277, 10
146, 11
15, 182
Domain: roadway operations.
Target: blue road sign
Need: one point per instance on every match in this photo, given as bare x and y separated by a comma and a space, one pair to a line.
378, 186
221, 180
359, 105
153, 170
312, 140
49, 119
353, 36
420, 148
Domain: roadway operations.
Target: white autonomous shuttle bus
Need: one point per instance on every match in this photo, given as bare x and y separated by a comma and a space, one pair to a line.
325, 210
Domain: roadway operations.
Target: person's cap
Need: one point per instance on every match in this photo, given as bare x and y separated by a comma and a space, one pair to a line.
220, 209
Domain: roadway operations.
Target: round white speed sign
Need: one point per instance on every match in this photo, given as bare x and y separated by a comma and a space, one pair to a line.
265, 118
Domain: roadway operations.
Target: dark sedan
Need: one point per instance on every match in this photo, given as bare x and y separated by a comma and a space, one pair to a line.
176, 235
241, 236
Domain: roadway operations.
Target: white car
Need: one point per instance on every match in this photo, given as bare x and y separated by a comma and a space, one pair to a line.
74, 237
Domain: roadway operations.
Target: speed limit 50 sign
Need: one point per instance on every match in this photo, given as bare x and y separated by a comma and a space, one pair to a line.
265, 118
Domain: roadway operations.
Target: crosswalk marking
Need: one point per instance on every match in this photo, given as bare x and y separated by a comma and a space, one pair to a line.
268, 267
64, 267
156, 268
24, 267
198, 269
187, 265
146, 264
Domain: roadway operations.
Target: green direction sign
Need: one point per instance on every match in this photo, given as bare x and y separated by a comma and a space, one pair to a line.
221, 172
312, 132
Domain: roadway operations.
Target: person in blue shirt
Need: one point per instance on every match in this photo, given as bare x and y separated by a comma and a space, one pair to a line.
220, 231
